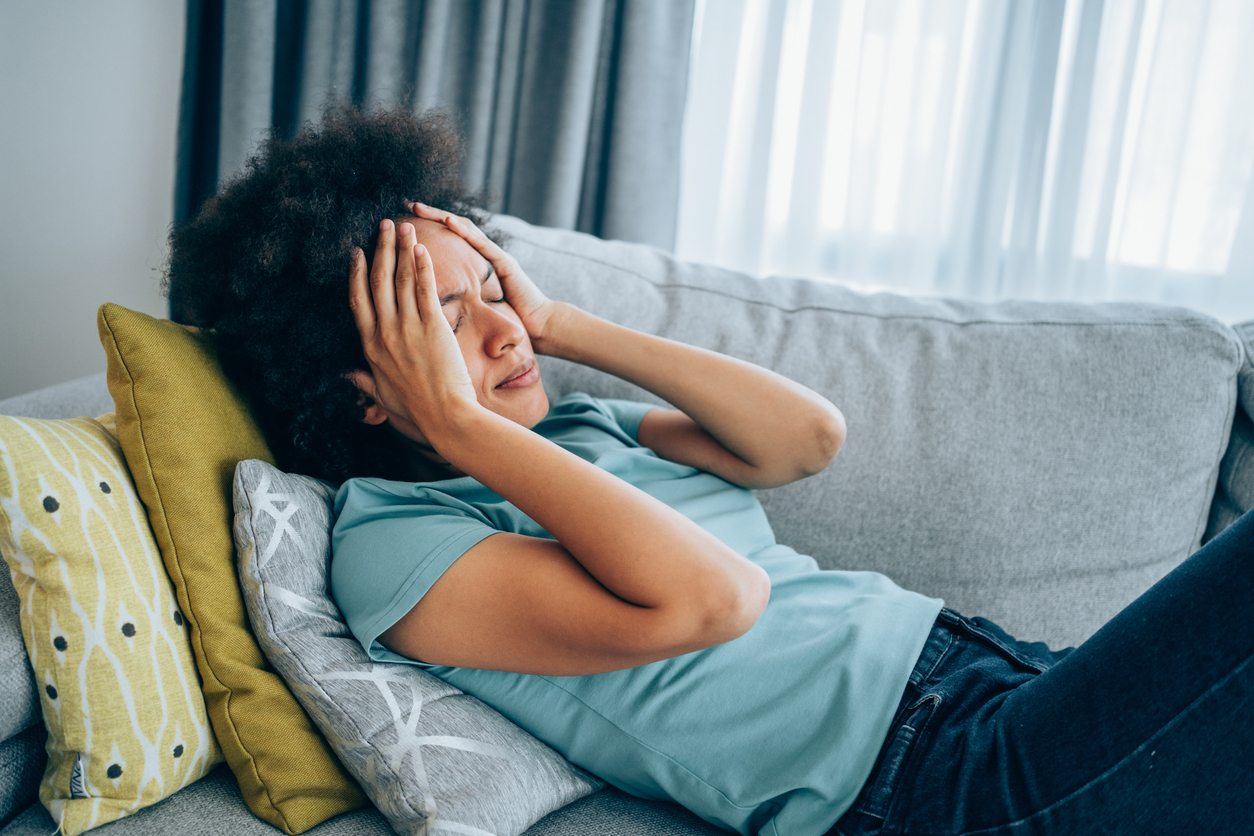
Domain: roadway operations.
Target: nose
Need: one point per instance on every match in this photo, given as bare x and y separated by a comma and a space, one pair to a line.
502, 329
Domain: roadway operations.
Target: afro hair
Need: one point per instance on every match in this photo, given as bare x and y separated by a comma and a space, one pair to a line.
264, 268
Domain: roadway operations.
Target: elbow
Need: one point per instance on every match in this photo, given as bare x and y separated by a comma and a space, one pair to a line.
829, 437
818, 442
720, 611
733, 613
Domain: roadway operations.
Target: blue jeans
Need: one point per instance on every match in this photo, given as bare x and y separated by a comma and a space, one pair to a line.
1146, 728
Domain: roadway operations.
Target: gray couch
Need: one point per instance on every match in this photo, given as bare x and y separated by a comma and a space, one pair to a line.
1039, 464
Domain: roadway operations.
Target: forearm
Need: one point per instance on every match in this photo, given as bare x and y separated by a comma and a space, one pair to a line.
638, 548
776, 426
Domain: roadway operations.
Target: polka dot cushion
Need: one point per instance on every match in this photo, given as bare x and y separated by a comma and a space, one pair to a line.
107, 642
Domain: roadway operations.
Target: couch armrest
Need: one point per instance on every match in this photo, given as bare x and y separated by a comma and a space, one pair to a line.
86, 396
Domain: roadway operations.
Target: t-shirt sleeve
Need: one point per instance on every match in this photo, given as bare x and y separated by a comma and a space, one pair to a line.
391, 543
627, 414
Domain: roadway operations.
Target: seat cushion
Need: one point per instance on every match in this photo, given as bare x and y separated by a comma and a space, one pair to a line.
22, 761
213, 806
19, 703
1038, 464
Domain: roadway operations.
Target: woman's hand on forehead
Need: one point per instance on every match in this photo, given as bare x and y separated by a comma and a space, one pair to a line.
415, 362
534, 309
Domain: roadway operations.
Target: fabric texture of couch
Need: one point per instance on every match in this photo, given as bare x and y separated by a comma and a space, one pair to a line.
1039, 464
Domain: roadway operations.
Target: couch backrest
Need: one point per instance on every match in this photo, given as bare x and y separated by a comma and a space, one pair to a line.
1040, 464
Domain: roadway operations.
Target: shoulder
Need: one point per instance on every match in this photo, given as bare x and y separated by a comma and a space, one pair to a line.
362, 493
618, 417
360, 501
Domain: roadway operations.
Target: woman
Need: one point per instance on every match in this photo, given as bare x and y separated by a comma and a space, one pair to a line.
599, 572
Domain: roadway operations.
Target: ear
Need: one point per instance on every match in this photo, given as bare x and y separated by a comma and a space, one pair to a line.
364, 381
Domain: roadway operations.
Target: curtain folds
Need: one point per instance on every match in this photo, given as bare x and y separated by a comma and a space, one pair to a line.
1057, 149
571, 110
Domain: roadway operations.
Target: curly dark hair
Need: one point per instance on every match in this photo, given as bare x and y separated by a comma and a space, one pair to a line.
264, 268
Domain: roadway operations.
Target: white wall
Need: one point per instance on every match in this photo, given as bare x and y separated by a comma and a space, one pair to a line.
89, 97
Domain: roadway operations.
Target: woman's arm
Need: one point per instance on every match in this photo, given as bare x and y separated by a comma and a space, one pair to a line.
629, 580
742, 422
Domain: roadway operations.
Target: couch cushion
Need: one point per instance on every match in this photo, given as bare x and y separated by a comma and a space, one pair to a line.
1039, 464
22, 761
117, 685
429, 756
183, 427
19, 703
212, 806
615, 813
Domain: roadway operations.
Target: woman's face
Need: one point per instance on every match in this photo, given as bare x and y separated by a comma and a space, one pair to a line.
493, 341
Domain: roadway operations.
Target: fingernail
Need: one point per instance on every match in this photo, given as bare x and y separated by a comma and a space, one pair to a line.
385, 225
406, 228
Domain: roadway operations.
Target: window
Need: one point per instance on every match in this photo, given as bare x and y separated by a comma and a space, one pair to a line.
983, 148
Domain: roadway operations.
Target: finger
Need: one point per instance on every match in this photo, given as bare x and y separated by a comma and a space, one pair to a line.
364, 381
383, 275
468, 230
406, 273
425, 292
359, 300
431, 213
460, 224
475, 236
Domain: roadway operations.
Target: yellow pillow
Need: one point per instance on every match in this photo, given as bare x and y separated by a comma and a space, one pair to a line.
117, 684
183, 427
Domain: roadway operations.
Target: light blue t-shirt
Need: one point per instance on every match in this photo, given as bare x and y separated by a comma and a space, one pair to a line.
774, 732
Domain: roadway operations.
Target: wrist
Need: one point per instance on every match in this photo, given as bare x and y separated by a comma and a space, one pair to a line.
558, 337
439, 425
470, 439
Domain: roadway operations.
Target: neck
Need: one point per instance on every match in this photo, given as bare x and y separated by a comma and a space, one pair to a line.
423, 463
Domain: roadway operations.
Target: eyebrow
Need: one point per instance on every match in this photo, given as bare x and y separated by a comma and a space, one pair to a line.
453, 297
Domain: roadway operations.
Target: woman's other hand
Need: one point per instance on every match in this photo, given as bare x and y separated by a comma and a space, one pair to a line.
528, 301
418, 377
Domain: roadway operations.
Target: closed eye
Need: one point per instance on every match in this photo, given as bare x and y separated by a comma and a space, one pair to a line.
495, 280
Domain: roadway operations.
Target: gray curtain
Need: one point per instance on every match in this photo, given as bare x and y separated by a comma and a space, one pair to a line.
571, 110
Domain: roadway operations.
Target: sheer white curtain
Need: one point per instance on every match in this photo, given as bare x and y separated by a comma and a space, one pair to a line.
1053, 149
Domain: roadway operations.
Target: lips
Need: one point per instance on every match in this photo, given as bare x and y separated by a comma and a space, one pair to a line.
524, 374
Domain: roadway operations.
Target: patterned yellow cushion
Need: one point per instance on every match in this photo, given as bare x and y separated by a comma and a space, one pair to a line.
107, 642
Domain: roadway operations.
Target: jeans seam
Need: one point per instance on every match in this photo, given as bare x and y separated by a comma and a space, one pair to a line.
1118, 765
980, 634
910, 763
940, 658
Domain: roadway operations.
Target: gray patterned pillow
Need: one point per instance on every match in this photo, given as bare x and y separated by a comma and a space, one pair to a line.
429, 756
